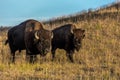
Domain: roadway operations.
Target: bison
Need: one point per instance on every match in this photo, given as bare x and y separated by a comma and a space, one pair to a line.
67, 37
30, 36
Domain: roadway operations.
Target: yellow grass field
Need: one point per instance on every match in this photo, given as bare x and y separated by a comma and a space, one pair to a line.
98, 59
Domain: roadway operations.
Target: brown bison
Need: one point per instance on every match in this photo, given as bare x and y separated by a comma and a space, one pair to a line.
67, 37
31, 36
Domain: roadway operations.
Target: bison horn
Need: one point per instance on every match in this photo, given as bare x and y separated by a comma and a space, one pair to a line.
36, 35
52, 35
72, 31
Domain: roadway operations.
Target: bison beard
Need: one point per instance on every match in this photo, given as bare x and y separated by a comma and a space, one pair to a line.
67, 37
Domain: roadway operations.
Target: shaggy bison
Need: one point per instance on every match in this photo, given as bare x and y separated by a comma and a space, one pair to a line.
69, 38
29, 35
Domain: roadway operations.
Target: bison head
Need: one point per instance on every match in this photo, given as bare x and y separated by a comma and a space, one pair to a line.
79, 34
43, 41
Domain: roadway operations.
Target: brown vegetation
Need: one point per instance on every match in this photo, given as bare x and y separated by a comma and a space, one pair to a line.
98, 59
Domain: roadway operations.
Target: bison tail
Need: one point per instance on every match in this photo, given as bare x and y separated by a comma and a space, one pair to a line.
6, 42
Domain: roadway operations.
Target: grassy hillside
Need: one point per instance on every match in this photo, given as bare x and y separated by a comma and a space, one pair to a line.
98, 59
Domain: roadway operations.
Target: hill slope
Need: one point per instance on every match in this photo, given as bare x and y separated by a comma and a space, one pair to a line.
111, 11
101, 46
99, 57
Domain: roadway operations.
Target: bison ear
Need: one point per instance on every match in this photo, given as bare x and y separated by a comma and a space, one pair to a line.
36, 35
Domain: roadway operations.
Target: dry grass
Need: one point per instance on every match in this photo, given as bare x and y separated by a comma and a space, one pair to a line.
98, 59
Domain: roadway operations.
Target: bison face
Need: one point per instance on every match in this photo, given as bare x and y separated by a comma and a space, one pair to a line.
79, 34
43, 41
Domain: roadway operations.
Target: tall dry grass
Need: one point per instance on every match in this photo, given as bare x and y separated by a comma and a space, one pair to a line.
98, 59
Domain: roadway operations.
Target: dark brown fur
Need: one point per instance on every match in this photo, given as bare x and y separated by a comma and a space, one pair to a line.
67, 37
38, 46
18, 37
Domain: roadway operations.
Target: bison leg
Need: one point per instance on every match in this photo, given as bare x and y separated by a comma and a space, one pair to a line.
29, 57
53, 54
70, 56
33, 58
13, 57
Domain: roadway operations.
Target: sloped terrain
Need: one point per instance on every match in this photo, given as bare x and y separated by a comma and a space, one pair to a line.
98, 59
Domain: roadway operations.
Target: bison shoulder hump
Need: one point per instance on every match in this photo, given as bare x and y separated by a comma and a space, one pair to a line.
32, 25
